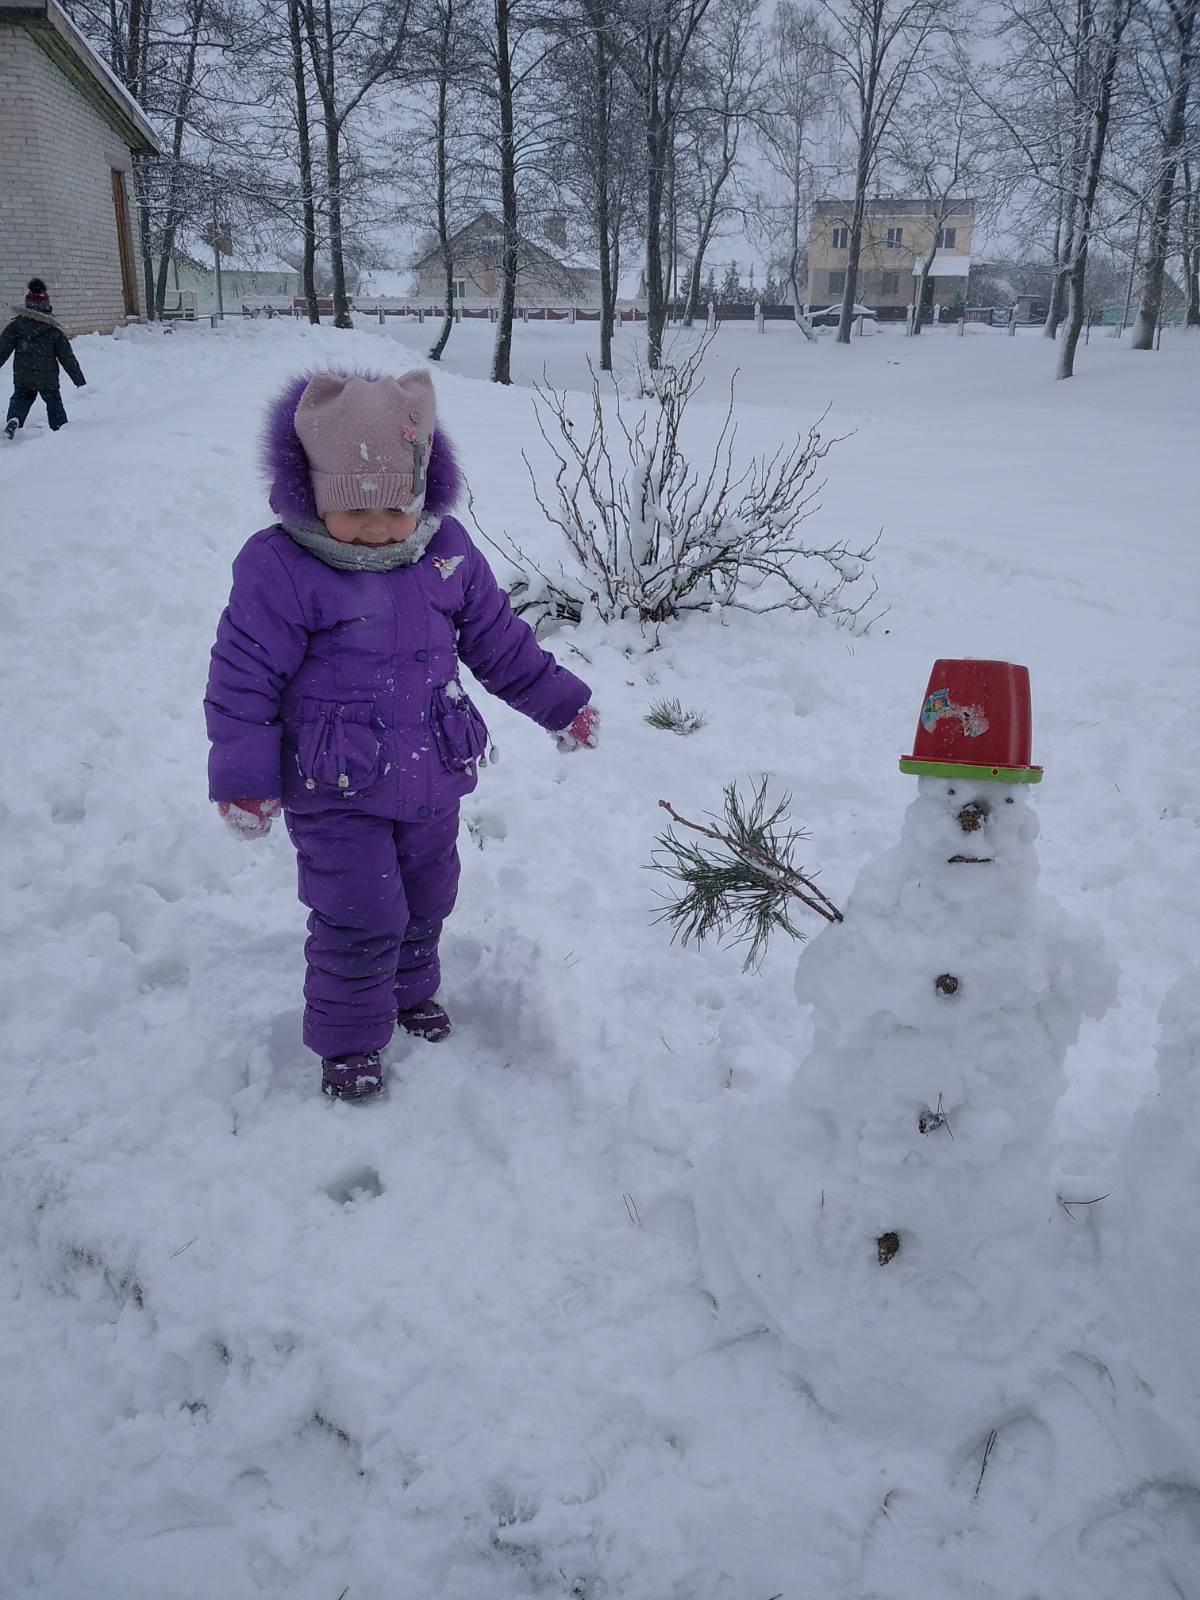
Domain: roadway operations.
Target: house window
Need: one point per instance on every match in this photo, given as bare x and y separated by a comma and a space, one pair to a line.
460, 288
895, 238
837, 283
841, 238
946, 238
889, 283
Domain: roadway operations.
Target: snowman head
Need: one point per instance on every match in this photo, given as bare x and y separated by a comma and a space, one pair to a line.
971, 820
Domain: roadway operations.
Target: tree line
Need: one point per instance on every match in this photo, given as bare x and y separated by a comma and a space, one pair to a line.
653, 128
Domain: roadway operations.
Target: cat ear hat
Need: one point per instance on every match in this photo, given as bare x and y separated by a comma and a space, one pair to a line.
345, 441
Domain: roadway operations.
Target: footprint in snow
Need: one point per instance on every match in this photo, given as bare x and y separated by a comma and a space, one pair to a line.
355, 1186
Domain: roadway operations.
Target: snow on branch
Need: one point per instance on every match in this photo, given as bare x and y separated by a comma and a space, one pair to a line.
652, 535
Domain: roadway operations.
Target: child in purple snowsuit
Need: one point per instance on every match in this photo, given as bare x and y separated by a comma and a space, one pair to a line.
334, 695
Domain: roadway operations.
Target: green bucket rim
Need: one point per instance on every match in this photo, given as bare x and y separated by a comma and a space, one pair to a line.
969, 769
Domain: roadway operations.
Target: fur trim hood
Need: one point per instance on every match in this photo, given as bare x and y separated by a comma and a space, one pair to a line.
43, 317
286, 464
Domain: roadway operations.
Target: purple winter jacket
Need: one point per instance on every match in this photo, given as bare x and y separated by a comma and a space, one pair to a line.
329, 686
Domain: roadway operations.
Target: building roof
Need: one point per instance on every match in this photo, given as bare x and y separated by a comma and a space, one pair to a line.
385, 281
894, 205
53, 31
944, 266
191, 247
550, 254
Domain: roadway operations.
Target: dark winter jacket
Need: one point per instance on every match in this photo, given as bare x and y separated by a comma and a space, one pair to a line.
329, 686
38, 347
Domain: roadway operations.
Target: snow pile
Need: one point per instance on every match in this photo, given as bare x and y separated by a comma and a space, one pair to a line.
905, 1189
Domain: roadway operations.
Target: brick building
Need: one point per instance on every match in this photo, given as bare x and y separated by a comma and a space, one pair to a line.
68, 135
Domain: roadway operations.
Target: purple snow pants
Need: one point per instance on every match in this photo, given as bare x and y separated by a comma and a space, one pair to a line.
378, 892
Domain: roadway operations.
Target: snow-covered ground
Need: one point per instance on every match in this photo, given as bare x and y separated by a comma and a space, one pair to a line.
459, 1343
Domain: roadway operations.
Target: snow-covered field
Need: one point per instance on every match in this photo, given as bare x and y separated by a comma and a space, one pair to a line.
460, 1343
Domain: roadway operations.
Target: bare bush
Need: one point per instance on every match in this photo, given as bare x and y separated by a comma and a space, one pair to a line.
652, 536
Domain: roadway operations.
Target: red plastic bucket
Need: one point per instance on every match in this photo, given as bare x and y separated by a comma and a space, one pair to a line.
976, 722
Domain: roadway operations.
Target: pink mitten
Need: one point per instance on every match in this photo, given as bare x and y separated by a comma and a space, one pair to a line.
249, 819
584, 731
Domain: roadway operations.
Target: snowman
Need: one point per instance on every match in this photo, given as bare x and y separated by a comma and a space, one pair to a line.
892, 1220
1159, 1288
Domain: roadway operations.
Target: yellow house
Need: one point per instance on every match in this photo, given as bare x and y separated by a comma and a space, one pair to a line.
897, 236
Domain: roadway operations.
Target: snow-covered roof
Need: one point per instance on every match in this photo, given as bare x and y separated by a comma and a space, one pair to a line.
389, 282
944, 266
200, 252
64, 44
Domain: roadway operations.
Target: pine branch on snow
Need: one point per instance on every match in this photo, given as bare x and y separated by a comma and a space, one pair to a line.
670, 716
743, 889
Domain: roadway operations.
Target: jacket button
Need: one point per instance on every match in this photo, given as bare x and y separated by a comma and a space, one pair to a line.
310, 783
422, 655
423, 812
343, 781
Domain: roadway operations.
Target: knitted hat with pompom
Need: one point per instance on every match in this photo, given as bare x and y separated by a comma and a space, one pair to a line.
37, 297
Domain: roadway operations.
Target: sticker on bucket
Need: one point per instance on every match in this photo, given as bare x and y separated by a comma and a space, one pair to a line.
939, 706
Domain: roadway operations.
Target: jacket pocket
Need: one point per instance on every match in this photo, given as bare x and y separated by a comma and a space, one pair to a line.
458, 730
338, 748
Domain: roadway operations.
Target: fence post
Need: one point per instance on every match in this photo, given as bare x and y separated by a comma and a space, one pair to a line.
420, 316
1087, 333
380, 313
572, 316
758, 315
620, 318
962, 324
711, 323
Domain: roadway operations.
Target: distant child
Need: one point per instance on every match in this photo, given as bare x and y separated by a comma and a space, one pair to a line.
38, 347
334, 696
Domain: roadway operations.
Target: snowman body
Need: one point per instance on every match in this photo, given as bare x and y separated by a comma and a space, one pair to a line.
893, 1220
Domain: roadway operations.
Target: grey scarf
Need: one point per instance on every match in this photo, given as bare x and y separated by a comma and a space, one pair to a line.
318, 541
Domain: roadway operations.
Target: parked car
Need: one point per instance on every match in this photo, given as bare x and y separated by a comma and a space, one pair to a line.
830, 316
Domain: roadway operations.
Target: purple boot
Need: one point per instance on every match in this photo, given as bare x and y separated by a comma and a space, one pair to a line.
426, 1021
352, 1077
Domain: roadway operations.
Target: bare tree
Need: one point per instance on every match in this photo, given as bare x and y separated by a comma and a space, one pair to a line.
304, 161
607, 166
353, 45
522, 44
797, 97
656, 47
1055, 96
1096, 54
1172, 24
943, 151
448, 56
1190, 244
879, 48
727, 94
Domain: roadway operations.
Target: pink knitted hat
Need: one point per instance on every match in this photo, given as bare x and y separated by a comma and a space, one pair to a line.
367, 439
